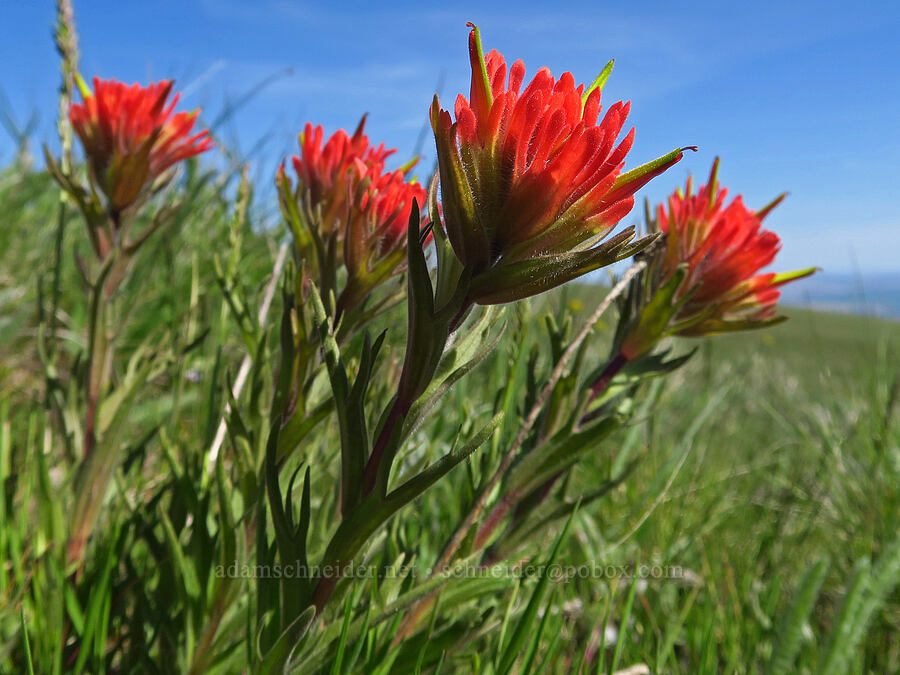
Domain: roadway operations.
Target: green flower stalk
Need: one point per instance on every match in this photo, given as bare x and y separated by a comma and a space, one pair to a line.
347, 213
132, 138
703, 277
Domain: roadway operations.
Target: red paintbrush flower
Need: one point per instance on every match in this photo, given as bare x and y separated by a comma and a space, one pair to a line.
375, 239
131, 136
349, 203
328, 175
723, 247
380, 222
531, 182
709, 264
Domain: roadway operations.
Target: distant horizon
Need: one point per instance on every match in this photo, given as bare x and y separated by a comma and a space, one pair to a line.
865, 294
869, 294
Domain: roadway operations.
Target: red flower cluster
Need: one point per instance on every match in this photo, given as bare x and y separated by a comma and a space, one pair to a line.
353, 204
724, 247
384, 207
131, 136
329, 175
530, 176
346, 182
708, 267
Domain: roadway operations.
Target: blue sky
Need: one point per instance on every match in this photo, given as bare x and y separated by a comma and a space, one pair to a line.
799, 96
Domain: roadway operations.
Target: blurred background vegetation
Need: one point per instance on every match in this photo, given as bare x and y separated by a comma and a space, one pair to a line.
769, 473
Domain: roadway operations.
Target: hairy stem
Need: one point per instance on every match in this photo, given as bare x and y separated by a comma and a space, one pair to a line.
515, 501
477, 509
399, 408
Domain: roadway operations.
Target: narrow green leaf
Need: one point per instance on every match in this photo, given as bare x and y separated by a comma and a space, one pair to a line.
524, 625
535, 641
28, 662
630, 181
784, 277
789, 632
349, 405
345, 630
278, 659
840, 647
599, 82
415, 486
504, 625
623, 625
709, 327
184, 567
674, 629
473, 347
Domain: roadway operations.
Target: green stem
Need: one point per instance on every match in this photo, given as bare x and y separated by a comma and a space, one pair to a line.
399, 409
95, 471
351, 535
539, 494
57, 267
407, 394
98, 459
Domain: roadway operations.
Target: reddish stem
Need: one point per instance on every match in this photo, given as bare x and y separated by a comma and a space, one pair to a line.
602, 382
495, 517
400, 407
507, 502
321, 594
370, 476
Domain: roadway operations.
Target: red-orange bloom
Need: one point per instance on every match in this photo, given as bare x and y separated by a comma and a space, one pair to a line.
345, 187
719, 249
386, 203
531, 181
353, 204
330, 174
131, 136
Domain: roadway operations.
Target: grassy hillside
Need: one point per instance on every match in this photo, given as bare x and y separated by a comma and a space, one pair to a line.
769, 467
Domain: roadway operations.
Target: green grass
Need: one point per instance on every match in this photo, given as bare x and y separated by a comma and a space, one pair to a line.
769, 475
